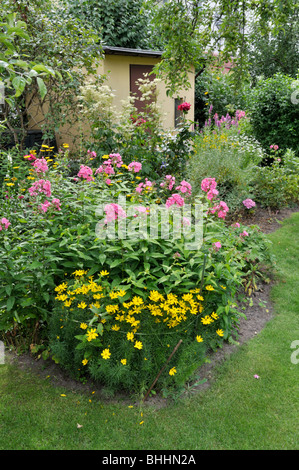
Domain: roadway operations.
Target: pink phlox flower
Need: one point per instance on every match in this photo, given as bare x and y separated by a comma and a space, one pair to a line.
136, 166
184, 187
56, 203
40, 186
5, 222
217, 246
40, 165
207, 184
85, 172
237, 225
186, 222
92, 154
115, 159
244, 234
114, 212
175, 199
45, 206
108, 181
212, 193
221, 210
249, 203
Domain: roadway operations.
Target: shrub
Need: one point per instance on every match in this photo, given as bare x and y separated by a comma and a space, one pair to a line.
273, 115
277, 185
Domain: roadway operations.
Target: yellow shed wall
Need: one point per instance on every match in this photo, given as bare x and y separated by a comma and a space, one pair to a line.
117, 70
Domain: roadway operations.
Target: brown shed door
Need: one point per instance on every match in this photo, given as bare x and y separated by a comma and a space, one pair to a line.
138, 71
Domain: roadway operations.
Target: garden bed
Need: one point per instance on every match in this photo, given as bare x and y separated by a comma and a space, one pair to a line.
258, 312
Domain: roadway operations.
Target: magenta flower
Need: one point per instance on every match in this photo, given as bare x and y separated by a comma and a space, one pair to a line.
85, 172
221, 209
184, 187
244, 234
175, 199
249, 203
40, 165
217, 246
4, 223
207, 184
136, 166
40, 186
184, 107
114, 212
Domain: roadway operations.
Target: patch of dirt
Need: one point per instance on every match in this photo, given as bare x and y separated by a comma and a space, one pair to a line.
258, 312
267, 220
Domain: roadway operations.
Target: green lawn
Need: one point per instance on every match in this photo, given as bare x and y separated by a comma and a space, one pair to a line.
237, 412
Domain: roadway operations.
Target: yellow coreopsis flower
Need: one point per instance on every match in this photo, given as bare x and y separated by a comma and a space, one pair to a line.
84, 362
123, 361
138, 345
199, 339
172, 371
106, 354
83, 326
130, 336
220, 332
210, 288
92, 334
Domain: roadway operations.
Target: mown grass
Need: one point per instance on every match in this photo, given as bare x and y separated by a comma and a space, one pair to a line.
238, 412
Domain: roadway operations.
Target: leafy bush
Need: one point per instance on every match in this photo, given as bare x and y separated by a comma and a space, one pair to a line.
273, 115
277, 185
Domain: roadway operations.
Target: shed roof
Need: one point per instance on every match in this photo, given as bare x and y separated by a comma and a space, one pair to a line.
134, 52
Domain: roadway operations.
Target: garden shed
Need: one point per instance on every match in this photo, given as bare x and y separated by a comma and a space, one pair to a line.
122, 67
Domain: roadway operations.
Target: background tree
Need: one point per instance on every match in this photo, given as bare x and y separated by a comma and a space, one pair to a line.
120, 23
54, 40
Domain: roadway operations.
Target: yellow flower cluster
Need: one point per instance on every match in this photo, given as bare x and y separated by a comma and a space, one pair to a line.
129, 316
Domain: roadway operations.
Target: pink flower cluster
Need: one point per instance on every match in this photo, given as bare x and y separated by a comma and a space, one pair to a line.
40, 165
249, 203
40, 186
184, 107
4, 224
240, 114
85, 172
169, 182
175, 199
115, 159
208, 185
144, 186
274, 147
107, 166
221, 210
92, 154
46, 205
184, 187
113, 212
136, 166
217, 246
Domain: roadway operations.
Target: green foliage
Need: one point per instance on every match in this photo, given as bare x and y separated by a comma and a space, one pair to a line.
47, 68
274, 116
270, 54
120, 23
216, 88
223, 151
277, 185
